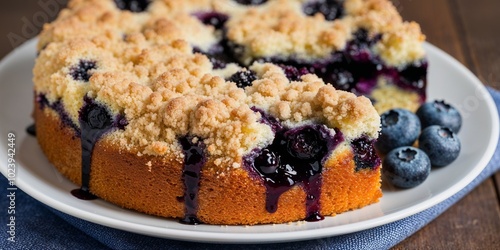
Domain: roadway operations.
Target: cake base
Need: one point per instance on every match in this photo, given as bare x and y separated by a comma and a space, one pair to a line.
154, 185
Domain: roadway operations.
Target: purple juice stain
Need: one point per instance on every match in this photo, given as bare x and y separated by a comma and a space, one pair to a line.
194, 160
295, 157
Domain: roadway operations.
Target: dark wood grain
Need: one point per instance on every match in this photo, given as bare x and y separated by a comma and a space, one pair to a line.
467, 30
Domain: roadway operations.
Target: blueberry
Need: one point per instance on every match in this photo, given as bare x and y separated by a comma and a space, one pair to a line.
251, 2
305, 143
99, 118
133, 5
400, 127
365, 156
331, 9
440, 113
293, 73
267, 162
406, 167
243, 78
81, 71
343, 79
212, 18
441, 145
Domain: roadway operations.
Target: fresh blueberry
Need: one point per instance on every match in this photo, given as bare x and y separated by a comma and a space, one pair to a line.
441, 145
406, 167
133, 5
305, 143
243, 78
440, 113
267, 162
212, 18
82, 71
331, 9
251, 2
400, 127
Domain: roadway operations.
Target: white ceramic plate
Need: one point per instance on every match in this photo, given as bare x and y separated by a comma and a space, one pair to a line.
448, 80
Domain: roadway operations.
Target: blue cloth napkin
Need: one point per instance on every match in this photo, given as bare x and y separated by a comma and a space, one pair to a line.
40, 227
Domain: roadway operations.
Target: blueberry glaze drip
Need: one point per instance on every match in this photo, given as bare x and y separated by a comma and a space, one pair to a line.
365, 156
194, 159
133, 5
215, 19
295, 157
331, 9
82, 71
31, 130
95, 121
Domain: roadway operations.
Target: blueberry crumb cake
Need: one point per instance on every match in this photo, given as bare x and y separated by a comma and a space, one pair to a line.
231, 112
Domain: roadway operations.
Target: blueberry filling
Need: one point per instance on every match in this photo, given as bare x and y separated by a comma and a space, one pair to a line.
295, 157
95, 121
221, 54
58, 107
133, 5
293, 73
31, 130
251, 2
365, 156
269, 120
331, 9
243, 78
356, 69
194, 159
215, 19
82, 71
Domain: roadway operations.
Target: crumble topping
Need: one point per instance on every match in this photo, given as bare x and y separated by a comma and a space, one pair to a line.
146, 70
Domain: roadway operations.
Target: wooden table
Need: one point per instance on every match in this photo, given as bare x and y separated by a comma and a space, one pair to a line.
467, 30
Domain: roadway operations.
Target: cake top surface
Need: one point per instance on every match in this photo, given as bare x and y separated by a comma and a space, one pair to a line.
154, 64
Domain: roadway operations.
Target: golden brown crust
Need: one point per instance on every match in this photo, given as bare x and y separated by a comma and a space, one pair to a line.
152, 185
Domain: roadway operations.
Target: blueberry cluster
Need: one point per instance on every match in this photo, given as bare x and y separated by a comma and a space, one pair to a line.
435, 125
83, 70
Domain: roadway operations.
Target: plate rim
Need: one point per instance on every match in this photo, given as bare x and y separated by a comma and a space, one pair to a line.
288, 236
